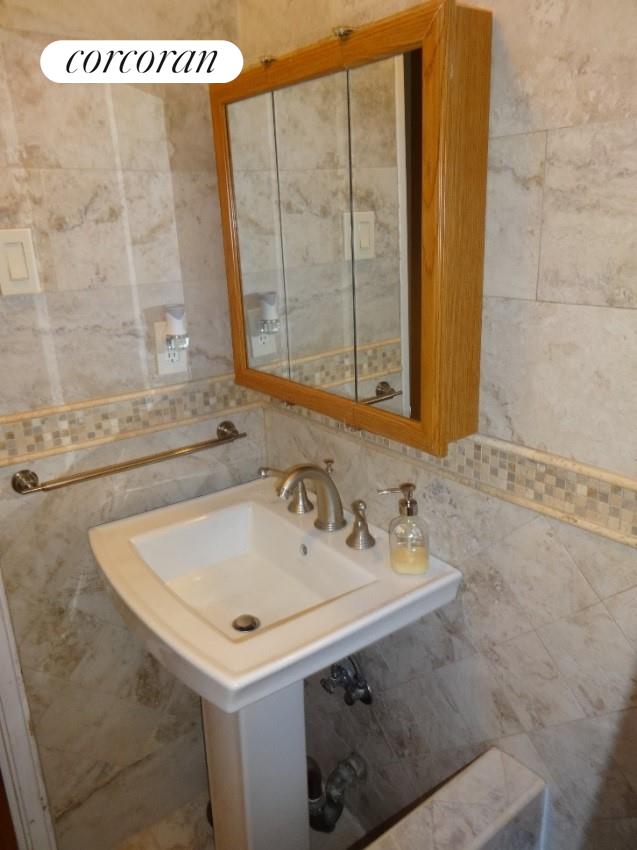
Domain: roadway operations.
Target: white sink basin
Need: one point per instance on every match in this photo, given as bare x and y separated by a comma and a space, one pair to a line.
248, 559
182, 574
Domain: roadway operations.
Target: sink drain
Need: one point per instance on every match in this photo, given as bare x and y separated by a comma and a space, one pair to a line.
246, 623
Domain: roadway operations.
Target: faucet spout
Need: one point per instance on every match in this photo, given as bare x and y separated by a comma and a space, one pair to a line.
329, 506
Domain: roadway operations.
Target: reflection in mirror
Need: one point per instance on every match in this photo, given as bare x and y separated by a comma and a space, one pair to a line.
312, 143
325, 224
380, 238
257, 209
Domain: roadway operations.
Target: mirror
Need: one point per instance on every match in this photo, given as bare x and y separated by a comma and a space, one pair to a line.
352, 181
320, 174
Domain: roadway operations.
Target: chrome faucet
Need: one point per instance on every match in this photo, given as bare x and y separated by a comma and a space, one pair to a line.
328, 501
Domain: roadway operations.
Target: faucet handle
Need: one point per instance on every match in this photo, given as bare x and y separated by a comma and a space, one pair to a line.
328, 463
360, 536
300, 502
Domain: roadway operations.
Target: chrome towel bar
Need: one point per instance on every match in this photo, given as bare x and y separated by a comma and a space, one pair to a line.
384, 392
26, 481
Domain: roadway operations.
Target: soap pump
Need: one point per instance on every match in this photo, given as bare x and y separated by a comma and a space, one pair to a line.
408, 534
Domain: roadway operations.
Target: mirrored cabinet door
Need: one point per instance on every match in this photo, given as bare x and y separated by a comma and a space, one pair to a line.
320, 182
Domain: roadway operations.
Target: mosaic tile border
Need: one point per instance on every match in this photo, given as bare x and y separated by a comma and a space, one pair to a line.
591, 498
331, 368
55, 430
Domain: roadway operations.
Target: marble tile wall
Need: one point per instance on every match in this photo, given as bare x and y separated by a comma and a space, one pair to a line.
537, 654
119, 738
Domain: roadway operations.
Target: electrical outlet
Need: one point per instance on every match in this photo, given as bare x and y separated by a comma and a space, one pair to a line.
264, 345
168, 362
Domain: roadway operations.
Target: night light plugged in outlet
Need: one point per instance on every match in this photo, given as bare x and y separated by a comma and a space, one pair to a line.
169, 361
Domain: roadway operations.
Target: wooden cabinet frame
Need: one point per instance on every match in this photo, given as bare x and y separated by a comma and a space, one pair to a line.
455, 42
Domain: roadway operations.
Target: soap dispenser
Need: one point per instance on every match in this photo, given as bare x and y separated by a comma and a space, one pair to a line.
408, 534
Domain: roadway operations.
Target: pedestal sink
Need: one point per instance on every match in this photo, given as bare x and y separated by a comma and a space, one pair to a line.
183, 575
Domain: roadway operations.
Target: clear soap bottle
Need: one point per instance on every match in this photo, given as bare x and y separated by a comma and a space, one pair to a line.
408, 534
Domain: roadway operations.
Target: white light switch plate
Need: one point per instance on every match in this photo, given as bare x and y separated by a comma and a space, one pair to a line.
364, 235
168, 362
18, 268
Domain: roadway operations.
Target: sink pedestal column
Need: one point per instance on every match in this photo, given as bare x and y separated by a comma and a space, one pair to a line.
257, 773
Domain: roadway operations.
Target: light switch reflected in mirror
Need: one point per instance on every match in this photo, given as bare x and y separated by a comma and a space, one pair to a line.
326, 225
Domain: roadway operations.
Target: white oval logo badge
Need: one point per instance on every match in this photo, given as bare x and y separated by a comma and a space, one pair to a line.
141, 61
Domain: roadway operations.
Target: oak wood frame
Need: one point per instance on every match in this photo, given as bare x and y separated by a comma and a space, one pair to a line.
456, 53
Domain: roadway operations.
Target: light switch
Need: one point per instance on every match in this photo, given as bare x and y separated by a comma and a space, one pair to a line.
17, 261
364, 235
18, 269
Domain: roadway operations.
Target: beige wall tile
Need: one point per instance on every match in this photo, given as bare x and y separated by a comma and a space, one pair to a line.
372, 99
540, 573
15, 198
258, 223
139, 127
55, 126
198, 225
581, 757
559, 64
80, 227
609, 567
418, 718
189, 128
540, 696
8, 152
595, 658
27, 381
559, 377
177, 773
312, 216
483, 702
589, 226
150, 212
514, 215
108, 326
210, 351
311, 125
251, 132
